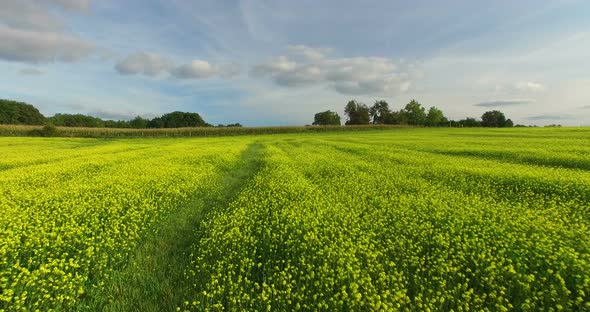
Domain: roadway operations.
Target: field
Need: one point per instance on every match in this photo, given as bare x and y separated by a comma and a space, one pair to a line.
399, 220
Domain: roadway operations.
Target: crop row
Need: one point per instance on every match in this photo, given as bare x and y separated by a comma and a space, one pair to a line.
69, 221
332, 224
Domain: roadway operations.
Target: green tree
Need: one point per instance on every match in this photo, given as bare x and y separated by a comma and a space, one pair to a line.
156, 123
138, 123
414, 113
493, 119
76, 120
358, 113
117, 124
327, 118
435, 117
48, 130
380, 112
394, 118
182, 119
400, 117
19, 113
469, 122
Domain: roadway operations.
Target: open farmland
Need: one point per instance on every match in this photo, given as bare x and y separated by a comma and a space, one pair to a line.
402, 219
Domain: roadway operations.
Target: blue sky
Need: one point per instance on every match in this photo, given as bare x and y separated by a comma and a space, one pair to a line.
280, 62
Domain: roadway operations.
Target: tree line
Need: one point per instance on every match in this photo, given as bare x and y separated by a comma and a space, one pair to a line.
412, 114
19, 113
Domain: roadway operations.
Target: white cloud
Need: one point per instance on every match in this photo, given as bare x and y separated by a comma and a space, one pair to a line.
358, 75
313, 54
287, 72
358, 68
145, 63
152, 64
38, 47
200, 69
281, 64
31, 32
197, 69
381, 86
529, 86
302, 75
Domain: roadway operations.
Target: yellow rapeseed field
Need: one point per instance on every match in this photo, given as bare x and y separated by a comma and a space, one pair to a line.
397, 220
73, 209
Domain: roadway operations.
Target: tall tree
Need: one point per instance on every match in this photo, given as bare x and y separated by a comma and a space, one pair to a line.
157, 122
415, 113
401, 117
182, 119
493, 119
394, 118
138, 123
435, 117
327, 118
380, 112
358, 113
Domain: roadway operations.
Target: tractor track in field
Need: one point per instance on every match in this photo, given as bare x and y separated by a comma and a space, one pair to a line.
154, 278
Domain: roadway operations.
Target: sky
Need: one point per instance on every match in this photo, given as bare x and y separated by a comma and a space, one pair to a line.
267, 63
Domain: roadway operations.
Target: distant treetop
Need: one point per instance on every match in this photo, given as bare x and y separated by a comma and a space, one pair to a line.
413, 113
19, 113
327, 118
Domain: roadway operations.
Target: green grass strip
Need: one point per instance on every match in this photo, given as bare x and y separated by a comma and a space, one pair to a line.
154, 278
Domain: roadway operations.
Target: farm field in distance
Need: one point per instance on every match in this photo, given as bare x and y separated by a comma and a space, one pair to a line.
394, 220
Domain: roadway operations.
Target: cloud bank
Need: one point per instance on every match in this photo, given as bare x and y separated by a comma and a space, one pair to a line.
41, 47
550, 117
503, 103
31, 32
144, 63
353, 76
196, 69
152, 64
